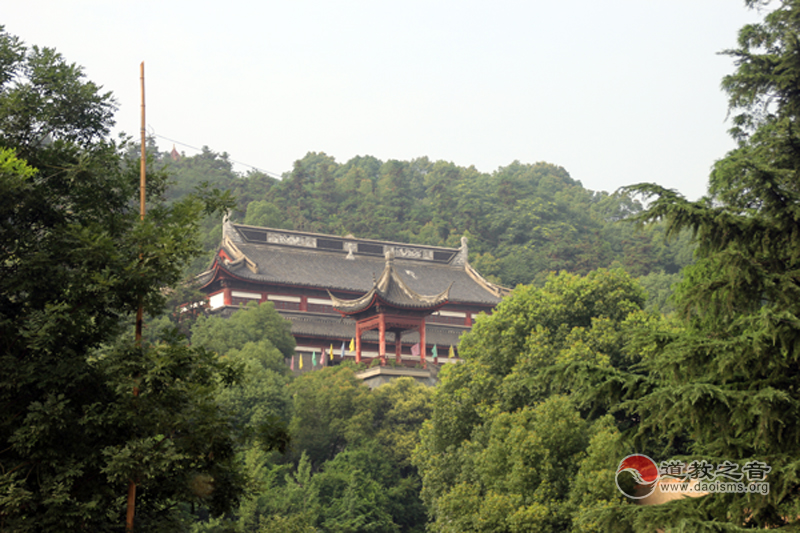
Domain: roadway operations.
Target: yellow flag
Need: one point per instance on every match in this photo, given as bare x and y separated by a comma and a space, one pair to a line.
452, 352
352, 345
301, 361
330, 351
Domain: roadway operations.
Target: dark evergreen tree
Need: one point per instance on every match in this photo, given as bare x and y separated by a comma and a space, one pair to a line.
75, 263
725, 387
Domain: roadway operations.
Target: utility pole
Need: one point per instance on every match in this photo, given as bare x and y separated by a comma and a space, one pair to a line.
140, 310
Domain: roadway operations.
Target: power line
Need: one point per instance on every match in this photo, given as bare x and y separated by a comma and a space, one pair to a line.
269, 173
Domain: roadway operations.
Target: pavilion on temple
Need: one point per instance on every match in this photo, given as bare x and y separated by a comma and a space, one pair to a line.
391, 306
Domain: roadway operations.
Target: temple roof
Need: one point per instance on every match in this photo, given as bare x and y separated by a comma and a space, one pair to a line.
391, 289
348, 264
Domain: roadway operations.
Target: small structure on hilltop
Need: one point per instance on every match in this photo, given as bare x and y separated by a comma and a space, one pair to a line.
347, 297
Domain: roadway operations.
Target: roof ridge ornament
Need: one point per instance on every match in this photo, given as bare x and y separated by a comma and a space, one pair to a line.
229, 230
238, 256
460, 258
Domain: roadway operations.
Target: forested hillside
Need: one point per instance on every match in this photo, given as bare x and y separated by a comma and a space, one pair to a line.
523, 220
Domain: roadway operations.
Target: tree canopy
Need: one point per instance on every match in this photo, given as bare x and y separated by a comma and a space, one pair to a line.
723, 385
510, 448
349, 463
75, 263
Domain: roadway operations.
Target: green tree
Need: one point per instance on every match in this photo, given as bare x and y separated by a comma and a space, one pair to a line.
260, 401
350, 467
75, 263
283, 496
173, 439
264, 213
400, 409
354, 492
724, 387
507, 436
187, 173
255, 323
522, 466
31, 116
256, 340
659, 287
332, 409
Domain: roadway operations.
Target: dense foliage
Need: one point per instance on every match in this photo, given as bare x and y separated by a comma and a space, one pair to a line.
324, 452
730, 379
75, 263
352, 454
510, 448
717, 383
256, 340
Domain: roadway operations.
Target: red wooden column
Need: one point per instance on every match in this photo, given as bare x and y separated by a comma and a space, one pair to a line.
382, 338
422, 343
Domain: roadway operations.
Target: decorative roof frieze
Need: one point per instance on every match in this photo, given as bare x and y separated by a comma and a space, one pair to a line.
331, 243
291, 240
407, 252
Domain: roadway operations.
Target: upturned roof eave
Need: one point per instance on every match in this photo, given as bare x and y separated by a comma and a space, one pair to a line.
215, 271
425, 301
357, 305
381, 291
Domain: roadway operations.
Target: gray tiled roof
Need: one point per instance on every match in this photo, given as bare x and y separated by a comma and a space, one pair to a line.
392, 289
296, 258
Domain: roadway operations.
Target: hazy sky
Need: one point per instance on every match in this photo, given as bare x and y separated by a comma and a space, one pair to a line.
615, 91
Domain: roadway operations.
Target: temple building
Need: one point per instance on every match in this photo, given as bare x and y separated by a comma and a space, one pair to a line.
357, 296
